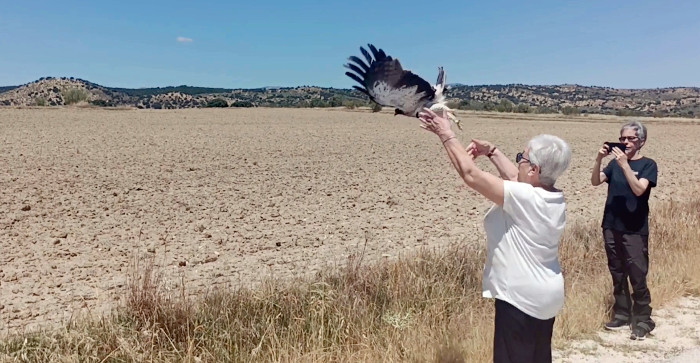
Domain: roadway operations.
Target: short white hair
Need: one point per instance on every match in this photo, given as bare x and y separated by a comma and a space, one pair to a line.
551, 154
639, 129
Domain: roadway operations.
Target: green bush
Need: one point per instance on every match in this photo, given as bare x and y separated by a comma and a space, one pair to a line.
100, 103
350, 104
455, 105
545, 109
504, 106
217, 102
40, 101
242, 104
376, 107
335, 102
477, 105
74, 95
317, 102
522, 108
628, 112
570, 111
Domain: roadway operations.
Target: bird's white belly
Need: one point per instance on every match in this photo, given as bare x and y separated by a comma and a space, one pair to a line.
404, 98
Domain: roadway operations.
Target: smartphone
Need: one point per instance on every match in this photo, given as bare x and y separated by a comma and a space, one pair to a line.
611, 145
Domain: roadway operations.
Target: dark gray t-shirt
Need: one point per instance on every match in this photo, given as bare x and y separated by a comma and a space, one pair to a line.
624, 211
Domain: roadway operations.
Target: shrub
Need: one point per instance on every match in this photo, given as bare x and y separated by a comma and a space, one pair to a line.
74, 95
100, 103
349, 104
522, 108
545, 109
317, 102
242, 104
504, 106
569, 111
414, 309
628, 112
217, 102
335, 102
455, 105
376, 107
40, 101
477, 105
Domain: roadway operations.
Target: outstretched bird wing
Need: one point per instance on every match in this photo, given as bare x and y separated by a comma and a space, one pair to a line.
383, 79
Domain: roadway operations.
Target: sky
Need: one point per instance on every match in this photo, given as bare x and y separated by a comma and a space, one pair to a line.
250, 44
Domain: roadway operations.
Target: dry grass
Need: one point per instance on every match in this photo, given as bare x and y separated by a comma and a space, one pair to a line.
423, 308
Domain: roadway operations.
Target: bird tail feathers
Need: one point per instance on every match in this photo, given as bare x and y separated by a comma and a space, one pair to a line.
440, 84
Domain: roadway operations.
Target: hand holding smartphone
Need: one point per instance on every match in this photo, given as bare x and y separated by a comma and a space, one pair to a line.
611, 145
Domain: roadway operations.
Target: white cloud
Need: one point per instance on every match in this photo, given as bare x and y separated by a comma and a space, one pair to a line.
184, 40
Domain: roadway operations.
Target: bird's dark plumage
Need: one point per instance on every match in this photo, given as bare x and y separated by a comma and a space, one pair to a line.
383, 79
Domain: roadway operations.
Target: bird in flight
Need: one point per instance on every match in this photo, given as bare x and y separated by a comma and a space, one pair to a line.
386, 83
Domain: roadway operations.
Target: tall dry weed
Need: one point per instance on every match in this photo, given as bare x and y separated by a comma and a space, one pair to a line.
426, 307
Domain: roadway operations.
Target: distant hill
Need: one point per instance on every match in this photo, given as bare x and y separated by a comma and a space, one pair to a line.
568, 99
679, 101
7, 88
52, 91
189, 90
62, 91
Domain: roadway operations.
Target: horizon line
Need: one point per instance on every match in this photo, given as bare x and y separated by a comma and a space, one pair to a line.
343, 88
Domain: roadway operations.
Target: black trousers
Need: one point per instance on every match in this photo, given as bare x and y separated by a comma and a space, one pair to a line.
521, 338
628, 260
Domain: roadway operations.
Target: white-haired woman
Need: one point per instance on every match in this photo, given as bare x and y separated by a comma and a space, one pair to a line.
523, 231
630, 177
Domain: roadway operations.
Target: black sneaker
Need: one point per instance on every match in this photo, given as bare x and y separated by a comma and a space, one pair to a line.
639, 333
617, 324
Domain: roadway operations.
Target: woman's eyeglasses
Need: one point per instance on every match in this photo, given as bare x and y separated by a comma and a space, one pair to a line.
630, 138
519, 157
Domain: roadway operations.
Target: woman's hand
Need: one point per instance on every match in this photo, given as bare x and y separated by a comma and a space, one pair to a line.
439, 125
620, 156
603, 152
479, 147
484, 183
471, 154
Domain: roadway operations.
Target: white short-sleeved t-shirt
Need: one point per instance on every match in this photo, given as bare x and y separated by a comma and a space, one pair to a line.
522, 265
